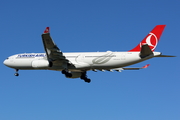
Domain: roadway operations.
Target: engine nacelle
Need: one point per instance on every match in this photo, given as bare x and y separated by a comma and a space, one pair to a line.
75, 75
40, 64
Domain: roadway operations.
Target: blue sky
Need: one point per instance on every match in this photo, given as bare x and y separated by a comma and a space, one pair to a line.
96, 25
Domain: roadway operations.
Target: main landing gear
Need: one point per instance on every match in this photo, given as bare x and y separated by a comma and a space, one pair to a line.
67, 74
84, 77
16, 74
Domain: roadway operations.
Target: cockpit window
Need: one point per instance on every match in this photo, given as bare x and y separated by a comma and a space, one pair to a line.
7, 58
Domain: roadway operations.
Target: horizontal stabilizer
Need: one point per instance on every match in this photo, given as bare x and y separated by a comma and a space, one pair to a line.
145, 51
165, 56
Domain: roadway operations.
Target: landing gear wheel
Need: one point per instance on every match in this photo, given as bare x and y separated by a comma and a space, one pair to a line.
64, 72
67, 74
87, 80
16, 74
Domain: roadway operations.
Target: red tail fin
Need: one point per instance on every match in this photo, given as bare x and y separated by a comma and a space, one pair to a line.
151, 39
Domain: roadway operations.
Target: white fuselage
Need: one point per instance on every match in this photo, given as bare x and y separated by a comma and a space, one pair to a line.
81, 60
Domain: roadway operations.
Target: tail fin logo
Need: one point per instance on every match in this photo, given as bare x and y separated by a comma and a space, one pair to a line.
151, 40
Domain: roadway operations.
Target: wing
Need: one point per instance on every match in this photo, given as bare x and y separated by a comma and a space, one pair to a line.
52, 51
120, 69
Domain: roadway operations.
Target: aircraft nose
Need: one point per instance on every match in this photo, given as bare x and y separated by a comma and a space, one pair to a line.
5, 62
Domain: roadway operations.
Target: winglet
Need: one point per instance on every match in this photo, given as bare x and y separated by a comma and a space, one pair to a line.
146, 66
46, 30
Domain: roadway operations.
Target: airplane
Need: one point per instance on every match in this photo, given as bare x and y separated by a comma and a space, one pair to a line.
76, 64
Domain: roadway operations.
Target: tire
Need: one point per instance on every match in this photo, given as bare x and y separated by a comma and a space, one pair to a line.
16, 74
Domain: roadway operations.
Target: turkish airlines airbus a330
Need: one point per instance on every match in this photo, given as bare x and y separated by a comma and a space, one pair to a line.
76, 65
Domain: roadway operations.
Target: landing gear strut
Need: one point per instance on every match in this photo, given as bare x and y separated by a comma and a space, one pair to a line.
16, 74
84, 77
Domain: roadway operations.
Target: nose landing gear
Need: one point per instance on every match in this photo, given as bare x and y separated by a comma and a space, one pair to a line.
16, 74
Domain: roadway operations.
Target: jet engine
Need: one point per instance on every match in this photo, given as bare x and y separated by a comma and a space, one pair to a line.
41, 64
